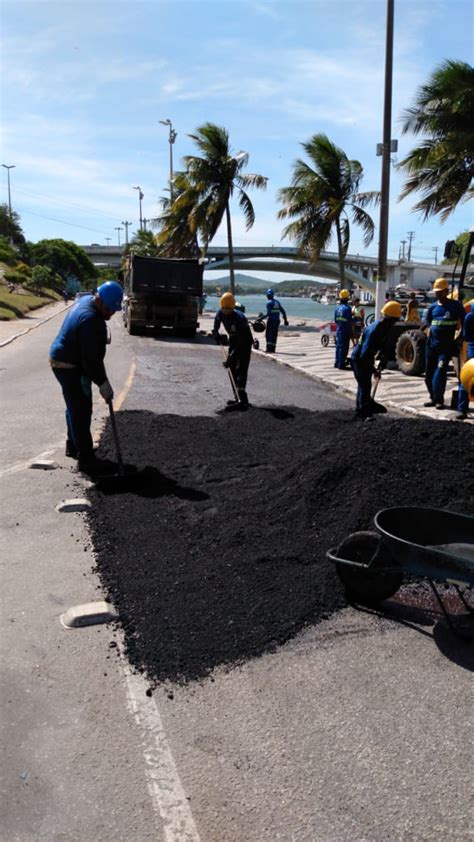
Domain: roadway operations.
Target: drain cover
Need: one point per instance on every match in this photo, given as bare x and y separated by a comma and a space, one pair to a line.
78, 504
90, 614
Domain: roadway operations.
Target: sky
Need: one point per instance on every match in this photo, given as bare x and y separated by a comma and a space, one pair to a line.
85, 84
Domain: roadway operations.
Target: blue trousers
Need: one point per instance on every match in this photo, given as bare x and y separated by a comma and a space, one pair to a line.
363, 375
271, 333
77, 395
436, 373
463, 397
342, 349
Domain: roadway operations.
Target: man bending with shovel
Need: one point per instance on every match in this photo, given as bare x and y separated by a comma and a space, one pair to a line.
77, 359
240, 347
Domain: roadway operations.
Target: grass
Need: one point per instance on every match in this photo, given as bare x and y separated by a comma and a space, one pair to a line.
15, 305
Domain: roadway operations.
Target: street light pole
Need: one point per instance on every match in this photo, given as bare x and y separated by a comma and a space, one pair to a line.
171, 139
118, 229
386, 148
140, 197
8, 168
126, 224
107, 240
435, 249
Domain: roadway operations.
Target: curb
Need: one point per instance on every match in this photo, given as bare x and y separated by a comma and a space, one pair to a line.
348, 393
33, 327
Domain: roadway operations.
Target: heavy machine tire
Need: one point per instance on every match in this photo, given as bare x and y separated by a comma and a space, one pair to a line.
410, 352
130, 326
380, 581
325, 340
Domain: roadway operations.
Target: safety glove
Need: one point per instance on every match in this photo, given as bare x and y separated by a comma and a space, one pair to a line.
216, 336
106, 391
226, 363
286, 323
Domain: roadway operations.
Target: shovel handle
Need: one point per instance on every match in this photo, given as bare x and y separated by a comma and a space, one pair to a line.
115, 434
231, 377
376, 386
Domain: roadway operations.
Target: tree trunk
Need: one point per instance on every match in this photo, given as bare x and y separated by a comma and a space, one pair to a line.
340, 253
231, 248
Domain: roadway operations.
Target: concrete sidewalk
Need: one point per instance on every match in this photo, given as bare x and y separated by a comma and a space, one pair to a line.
299, 347
11, 330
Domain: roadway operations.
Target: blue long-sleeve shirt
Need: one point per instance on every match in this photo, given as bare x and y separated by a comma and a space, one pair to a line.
372, 343
274, 308
82, 340
343, 319
237, 326
442, 318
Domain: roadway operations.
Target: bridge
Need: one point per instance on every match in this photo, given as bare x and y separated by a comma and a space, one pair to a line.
359, 269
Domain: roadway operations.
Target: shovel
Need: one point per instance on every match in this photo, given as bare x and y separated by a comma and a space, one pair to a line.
121, 481
231, 378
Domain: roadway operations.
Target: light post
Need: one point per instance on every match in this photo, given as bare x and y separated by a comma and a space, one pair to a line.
8, 168
140, 197
126, 224
107, 240
387, 147
435, 249
118, 229
171, 139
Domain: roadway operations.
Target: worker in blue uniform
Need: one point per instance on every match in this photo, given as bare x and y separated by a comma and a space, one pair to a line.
77, 359
274, 310
371, 345
240, 344
442, 318
343, 319
468, 338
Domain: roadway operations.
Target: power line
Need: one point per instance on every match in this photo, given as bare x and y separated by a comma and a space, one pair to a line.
57, 201
61, 221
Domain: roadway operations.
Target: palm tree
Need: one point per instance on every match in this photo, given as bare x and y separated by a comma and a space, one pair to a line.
176, 237
321, 194
213, 179
441, 168
143, 244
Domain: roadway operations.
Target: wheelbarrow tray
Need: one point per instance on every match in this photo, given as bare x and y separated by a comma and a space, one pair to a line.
431, 543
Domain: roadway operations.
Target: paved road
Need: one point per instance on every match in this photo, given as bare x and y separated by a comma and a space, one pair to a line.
359, 729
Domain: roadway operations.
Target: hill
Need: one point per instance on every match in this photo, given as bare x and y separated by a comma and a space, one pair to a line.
247, 282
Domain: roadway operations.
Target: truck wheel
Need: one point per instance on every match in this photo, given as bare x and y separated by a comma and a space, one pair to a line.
130, 326
410, 352
380, 580
324, 340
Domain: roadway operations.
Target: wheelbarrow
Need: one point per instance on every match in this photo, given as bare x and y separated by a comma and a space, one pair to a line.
327, 330
433, 544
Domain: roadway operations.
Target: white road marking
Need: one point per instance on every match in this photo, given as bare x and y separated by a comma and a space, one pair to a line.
22, 466
164, 784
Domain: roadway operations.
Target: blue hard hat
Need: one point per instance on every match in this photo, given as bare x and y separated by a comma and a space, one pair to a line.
111, 294
270, 293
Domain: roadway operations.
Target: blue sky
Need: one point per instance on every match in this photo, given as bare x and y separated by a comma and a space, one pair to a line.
84, 85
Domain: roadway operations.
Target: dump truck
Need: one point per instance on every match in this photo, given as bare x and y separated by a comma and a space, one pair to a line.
162, 293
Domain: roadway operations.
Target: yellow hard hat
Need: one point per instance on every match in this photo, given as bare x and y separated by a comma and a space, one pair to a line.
440, 283
392, 309
344, 294
467, 377
227, 301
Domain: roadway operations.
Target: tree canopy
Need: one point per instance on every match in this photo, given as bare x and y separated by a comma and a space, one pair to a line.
441, 167
65, 259
322, 194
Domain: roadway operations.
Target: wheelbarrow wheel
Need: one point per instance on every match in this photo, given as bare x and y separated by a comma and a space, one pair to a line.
325, 340
380, 580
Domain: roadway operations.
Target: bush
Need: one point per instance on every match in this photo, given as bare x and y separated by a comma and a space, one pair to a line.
41, 277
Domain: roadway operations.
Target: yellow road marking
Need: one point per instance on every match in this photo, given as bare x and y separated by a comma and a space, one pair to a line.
123, 394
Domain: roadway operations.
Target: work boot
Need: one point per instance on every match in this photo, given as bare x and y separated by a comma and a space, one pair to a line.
439, 405
232, 402
71, 449
429, 403
461, 416
243, 397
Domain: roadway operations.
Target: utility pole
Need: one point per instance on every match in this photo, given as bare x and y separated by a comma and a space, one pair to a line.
144, 223
126, 224
8, 168
410, 235
171, 139
435, 249
107, 240
140, 197
118, 229
403, 244
387, 148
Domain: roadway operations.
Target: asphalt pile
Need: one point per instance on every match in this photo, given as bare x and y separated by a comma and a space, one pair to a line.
220, 556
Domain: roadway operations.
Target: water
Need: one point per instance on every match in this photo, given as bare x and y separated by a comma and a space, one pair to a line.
296, 308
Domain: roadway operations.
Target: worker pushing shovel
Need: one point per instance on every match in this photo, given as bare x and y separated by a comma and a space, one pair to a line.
237, 360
